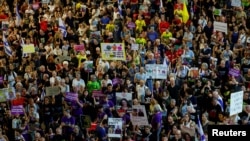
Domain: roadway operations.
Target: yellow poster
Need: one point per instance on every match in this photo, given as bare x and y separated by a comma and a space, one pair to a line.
28, 48
113, 51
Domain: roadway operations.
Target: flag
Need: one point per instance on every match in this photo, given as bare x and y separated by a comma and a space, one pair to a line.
22, 43
18, 17
221, 103
185, 14
120, 7
62, 27
7, 48
43, 94
161, 4
200, 130
181, 10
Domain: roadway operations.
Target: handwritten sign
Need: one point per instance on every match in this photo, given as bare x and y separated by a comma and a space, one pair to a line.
17, 110
234, 72
236, 103
50, 91
79, 47
70, 96
28, 48
115, 127
139, 115
113, 51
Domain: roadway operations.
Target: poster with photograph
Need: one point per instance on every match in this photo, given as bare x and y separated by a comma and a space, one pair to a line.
113, 51
139, 115
114, 127
3, 94
123, 101
193, 72
88, 66
5, 25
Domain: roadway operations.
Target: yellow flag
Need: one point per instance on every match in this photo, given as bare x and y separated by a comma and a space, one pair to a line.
185, 14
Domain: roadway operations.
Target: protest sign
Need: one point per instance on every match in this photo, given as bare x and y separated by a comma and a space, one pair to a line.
86, 121
51, 91
134, 46
79, 47
236, 103
193, 72
97, 95
236, 3
17, 110
220, 26
124, 100
71, 96
60, 59
115, 127
11, 93
113, 51
139, 115
3, 94
5, 25
156, 71
28, 48
217, 12
88, 66
234, 72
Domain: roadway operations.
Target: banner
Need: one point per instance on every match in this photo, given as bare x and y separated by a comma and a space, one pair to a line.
236, 103
123, 101
234, 72
70, 96
114, 127
113, 51
51, 91
28, 48
88, 66
79, 47
3, 94
156, 71
220, 26
17, 110
139, 115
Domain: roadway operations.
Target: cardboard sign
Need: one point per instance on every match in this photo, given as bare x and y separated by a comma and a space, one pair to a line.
139, 115
60, 59
51, 91
3, 93
134, 46
220, 26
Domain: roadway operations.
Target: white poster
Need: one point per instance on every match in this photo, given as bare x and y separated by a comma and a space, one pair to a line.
114, 127
236, 103
220, 26
123, 101
156, 71
236, 3
139, 115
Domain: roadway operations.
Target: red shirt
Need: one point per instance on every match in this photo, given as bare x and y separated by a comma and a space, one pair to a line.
179, 52
44, 25
171, 56
3, 16
18, 101
163, 26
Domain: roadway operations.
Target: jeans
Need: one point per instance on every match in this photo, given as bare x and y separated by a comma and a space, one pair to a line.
156, 135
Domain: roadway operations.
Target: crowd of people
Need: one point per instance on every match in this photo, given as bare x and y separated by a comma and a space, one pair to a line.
163, 34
